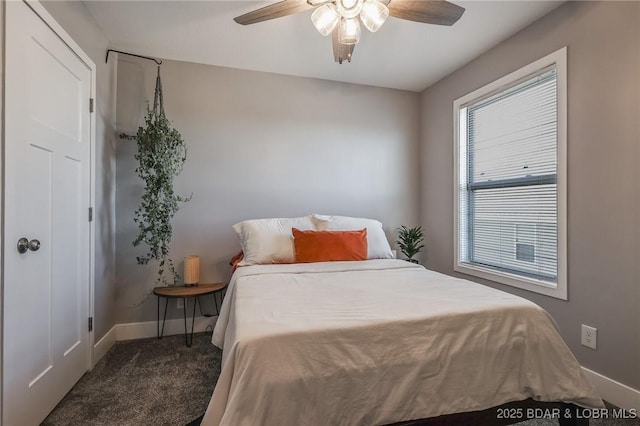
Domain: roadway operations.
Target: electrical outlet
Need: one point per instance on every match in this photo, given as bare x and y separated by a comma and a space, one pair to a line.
180, 303
589, 336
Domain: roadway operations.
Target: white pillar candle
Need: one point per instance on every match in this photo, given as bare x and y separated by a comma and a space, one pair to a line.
191, 270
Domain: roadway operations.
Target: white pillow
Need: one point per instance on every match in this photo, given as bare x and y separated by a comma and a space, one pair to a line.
378, 246
269, 240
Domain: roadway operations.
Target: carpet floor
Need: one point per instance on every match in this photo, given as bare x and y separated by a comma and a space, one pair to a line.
164, 383
144, 382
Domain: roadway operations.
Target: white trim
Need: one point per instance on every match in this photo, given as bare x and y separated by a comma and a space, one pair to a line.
57, 28
2, 142
50, 21
559, 290
514, 280
104, 344
141, 330
561, 176
614, 392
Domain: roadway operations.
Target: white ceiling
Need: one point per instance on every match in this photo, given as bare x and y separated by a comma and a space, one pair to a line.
401, 55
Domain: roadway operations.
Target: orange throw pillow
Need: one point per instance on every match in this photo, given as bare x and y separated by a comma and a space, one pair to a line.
329, 246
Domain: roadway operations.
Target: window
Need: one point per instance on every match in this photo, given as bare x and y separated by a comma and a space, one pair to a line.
511, 179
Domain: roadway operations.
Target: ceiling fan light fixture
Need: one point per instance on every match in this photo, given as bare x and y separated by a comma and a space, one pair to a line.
374, 14
344, 18
349, 9
325, 18
349, 31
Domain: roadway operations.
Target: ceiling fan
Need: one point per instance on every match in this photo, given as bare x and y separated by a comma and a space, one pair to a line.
340, 17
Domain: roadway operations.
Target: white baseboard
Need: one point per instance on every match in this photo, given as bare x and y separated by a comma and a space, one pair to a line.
103, 345
141, 330
615, 392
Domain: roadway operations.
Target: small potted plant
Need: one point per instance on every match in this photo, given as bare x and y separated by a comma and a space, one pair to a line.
410, 241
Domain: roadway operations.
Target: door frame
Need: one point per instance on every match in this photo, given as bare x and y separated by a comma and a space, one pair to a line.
49, 20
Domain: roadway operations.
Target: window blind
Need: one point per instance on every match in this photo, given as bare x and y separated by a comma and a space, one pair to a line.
508, 179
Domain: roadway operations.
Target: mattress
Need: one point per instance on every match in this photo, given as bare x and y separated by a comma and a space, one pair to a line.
380, 341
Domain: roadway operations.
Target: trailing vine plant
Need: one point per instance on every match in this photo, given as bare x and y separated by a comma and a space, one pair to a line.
161, 155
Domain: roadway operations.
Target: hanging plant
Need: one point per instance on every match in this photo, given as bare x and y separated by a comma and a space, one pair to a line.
161, 156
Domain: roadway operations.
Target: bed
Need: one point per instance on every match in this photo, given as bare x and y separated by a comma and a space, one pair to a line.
379, 342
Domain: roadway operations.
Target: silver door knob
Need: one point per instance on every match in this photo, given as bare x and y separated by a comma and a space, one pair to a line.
24, 245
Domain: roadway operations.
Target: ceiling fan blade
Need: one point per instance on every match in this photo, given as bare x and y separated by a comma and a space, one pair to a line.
316, 3
429, 12
273, 11
341, 52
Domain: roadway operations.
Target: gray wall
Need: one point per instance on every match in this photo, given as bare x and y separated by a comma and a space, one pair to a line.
75, 19
262, 145
603, 42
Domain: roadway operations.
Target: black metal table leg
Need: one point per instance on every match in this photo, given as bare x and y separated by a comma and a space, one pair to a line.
189, 339
185, 293
158, 332
215, 300
185, 322
193, 320
199, 304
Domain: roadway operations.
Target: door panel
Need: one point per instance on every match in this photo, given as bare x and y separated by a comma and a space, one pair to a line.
47, 160
33, 268
67, 271
60, 110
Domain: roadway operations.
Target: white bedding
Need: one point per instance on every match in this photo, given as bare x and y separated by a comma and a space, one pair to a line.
377, 342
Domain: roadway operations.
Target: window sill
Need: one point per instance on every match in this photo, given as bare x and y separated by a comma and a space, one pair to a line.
558, 291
